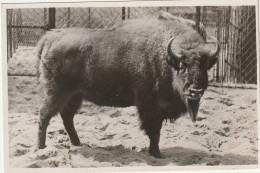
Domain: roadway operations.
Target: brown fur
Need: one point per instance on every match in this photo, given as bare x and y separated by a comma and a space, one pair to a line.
121, 67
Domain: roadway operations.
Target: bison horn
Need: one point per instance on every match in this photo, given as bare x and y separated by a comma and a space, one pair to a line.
170, 52
215, 53
213, 56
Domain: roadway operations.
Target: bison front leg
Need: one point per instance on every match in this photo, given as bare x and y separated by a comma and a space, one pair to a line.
67, 115
154, 144
152, 123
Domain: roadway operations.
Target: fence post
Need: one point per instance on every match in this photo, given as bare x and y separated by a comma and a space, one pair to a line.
68, 19
219, 39
123, 13
19, 31
52, 18
9, 34
198, 19
128, 15
89, 17
45, 20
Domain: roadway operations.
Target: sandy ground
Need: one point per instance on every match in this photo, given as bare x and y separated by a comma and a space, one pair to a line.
24, 61
225, 133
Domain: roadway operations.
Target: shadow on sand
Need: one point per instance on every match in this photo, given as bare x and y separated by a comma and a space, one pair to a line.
171, 156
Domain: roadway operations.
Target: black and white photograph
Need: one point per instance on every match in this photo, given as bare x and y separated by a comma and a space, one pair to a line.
132, 84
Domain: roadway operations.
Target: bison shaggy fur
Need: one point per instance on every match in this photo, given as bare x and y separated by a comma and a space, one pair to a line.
158, 65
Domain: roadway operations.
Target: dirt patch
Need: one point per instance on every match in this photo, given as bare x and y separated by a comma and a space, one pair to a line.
225, 133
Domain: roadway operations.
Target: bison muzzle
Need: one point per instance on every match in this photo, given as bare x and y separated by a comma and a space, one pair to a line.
158, 65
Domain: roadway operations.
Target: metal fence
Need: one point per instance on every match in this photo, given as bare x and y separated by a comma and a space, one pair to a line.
235, 28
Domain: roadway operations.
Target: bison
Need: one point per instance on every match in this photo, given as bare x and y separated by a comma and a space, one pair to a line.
158, 65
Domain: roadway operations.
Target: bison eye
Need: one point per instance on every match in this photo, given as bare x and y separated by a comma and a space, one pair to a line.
182, 68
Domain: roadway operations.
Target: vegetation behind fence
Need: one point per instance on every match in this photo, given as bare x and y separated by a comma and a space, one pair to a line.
235, 28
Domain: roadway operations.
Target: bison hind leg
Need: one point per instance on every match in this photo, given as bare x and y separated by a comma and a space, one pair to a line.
67, 113
48, 109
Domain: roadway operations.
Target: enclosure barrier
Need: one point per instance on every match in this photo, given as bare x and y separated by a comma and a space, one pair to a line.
235, 29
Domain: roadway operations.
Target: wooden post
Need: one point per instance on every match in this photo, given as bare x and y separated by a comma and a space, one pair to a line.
218, 37
128, 15
68, 19
123, 13
45, 22
9, 34
51, 18
89, 17
198, 19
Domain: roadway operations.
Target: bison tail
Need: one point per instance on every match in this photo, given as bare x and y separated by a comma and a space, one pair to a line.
40, 46
39, 51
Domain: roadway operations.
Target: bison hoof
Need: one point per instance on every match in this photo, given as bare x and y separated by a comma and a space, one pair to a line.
41, 146
155, 153
77, 143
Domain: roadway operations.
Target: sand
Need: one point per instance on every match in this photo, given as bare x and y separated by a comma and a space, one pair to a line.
224, 134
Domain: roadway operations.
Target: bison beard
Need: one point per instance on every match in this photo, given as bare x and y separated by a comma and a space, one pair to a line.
137, 63
193, 107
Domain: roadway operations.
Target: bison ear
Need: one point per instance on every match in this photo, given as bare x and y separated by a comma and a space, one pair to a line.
172, 62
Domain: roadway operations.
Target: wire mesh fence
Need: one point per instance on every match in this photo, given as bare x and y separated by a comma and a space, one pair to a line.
235, 28
236, 31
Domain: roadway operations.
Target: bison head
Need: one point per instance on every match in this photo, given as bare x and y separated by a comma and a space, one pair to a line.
190, 58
